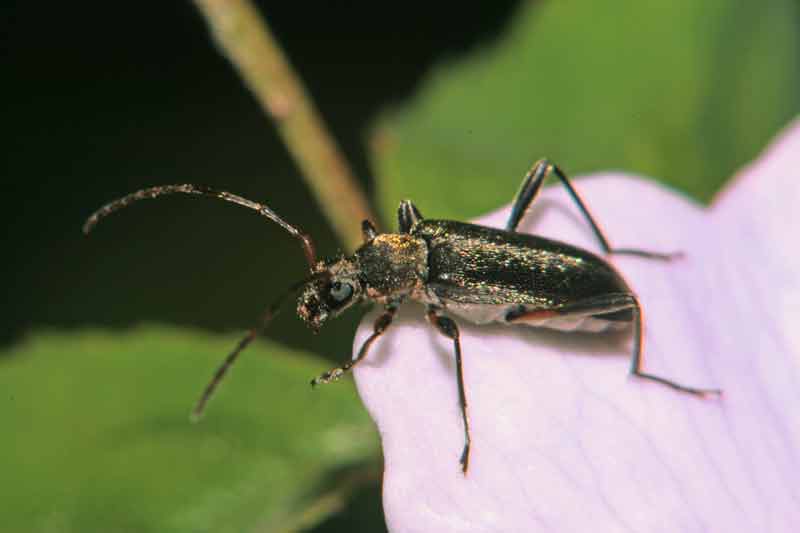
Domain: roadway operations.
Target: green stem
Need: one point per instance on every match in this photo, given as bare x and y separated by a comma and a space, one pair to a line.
244, 38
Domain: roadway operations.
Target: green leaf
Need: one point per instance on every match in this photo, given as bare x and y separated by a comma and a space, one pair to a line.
684, 91
101, 438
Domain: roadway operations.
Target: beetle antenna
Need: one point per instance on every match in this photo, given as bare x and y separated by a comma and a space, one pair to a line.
266, 318
202, 190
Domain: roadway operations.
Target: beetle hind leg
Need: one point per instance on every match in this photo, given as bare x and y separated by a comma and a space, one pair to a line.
637, 363
616, 309
532, 183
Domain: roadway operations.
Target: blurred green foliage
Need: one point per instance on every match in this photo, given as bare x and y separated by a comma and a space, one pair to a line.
683, 91
97, 435
96, 431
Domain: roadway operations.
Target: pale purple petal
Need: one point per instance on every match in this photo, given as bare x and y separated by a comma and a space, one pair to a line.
563, 438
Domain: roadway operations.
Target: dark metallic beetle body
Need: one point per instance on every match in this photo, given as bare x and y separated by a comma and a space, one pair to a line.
470, 266
482, 274
478, 273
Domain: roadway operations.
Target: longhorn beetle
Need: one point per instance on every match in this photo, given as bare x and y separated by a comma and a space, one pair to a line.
478, 273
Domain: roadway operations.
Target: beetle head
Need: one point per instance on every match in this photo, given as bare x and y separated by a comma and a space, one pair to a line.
334, 289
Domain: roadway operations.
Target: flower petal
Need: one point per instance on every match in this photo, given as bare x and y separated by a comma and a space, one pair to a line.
563, 438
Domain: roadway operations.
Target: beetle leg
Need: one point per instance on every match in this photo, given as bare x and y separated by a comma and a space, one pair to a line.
612, 305
636, 360
368, 231
449, 329
380, 325
532, 183
407, 216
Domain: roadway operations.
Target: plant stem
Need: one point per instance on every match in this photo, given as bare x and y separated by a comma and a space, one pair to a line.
244, 38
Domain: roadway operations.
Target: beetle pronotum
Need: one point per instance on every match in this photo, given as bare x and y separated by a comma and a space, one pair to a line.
477, 273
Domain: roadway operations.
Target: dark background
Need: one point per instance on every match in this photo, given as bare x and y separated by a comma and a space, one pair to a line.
100, 99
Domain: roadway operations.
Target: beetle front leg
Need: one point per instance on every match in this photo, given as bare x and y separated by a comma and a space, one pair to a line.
449, 329
380, 325
532, 183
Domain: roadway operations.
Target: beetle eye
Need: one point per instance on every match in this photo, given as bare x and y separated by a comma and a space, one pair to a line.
341, 291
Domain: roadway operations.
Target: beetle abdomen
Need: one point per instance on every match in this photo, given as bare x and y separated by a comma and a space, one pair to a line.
571, 323
528, 316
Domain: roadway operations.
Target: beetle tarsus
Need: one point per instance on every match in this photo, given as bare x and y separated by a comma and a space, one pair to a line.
701, 393
672, 256
330, 376
465, 457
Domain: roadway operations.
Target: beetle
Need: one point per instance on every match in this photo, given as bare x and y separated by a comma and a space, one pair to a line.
477, 273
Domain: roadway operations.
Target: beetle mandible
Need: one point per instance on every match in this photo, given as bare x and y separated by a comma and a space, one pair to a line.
477, 273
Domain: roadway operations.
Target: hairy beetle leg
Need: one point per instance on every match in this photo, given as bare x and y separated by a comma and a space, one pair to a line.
380, 325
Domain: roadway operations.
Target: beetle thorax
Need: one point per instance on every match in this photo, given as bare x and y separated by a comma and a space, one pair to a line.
393, 265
